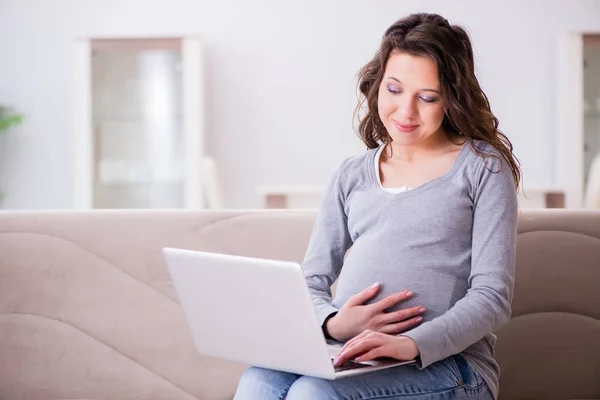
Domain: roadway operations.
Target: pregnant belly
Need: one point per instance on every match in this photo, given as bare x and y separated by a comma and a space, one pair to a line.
435, 291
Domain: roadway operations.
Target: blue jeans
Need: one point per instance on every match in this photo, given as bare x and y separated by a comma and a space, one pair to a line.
452, 378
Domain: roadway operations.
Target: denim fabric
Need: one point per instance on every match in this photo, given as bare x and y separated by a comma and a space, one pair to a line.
449, 379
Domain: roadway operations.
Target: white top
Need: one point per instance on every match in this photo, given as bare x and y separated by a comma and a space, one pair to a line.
391, 190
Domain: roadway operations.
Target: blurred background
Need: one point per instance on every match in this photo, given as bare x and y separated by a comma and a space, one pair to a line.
236, 104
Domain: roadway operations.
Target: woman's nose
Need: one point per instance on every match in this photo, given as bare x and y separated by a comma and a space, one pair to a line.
406, 108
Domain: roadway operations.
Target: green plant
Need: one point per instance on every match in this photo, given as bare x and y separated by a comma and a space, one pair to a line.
8, 119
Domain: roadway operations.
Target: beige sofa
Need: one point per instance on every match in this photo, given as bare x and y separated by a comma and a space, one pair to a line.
87, 309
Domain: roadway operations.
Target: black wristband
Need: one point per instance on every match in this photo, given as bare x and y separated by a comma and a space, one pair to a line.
324, 326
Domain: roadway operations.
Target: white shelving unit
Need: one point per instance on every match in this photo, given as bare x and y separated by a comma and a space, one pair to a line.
138, 123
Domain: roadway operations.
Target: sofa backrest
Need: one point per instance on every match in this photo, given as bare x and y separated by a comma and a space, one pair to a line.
87, 308
550, 349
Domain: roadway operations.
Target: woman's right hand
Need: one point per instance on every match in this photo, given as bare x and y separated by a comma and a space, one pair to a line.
355, 317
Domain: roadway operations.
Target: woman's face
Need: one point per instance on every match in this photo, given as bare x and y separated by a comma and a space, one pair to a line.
410, 99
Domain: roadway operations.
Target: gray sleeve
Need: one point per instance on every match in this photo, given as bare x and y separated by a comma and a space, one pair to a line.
328, 244
487, 304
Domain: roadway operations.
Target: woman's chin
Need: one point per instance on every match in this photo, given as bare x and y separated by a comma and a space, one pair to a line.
405, 139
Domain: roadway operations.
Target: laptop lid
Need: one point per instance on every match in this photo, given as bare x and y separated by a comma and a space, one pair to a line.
249, 310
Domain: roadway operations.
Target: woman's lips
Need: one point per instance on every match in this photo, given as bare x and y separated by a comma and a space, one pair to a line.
405, 128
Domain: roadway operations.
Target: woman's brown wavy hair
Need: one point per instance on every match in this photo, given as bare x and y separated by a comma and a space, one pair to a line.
467, 109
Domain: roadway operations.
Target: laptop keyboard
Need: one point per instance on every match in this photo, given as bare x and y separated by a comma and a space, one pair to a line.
347, 365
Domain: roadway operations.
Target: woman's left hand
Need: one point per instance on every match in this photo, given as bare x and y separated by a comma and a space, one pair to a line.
369, 345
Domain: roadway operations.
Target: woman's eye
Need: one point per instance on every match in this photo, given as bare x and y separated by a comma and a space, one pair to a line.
396, 90
427, 99
393, 89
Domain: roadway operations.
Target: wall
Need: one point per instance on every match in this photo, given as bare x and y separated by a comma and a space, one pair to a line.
280, 81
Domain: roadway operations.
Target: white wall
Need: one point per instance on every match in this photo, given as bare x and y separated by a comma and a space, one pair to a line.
280, 80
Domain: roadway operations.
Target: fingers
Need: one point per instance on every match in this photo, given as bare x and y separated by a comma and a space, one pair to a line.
401, 315
391, 300
355, 339
361, 297
400, 327
380, 351
358, 348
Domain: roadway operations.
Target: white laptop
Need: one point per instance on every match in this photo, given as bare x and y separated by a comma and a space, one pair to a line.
257, 312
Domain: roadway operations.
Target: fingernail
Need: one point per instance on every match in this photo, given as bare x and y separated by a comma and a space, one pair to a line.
422, 309
408, 294
335, 361
374, 285
419, 319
